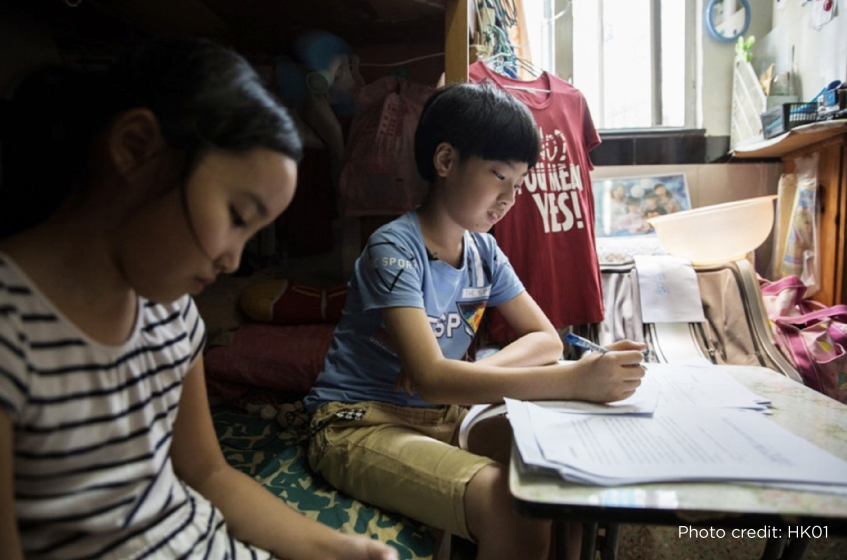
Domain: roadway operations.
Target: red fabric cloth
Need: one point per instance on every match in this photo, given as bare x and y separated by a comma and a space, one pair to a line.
549, 233
273, 358
284, 302
379, 176
302, 303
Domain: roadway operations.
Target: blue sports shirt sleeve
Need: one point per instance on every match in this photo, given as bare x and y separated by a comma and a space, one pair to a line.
505, 283
388, 274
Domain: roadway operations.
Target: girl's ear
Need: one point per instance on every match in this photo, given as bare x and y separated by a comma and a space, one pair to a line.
443, 159
133, 138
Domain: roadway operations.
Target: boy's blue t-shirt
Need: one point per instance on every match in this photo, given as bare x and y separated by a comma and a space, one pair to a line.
394, 270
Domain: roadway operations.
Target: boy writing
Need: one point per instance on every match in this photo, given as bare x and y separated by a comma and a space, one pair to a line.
415, 300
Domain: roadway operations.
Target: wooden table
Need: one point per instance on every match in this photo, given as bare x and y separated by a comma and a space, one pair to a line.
790, 519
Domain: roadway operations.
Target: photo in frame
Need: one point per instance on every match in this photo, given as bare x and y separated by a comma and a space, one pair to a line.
622, 205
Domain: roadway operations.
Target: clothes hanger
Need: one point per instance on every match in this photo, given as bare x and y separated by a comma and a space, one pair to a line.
495, 63
503, 60
526, 64
527, 88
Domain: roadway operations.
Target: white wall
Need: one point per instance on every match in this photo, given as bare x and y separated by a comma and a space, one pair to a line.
715, 65
819, 55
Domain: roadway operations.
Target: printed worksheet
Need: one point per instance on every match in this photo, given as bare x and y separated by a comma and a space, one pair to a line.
699, 445
698, 383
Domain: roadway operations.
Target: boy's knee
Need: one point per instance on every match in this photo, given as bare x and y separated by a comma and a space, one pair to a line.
489, 507
499, 530
488, 485
487, 499
492, 438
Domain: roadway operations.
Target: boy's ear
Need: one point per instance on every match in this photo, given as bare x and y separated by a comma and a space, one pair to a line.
133, 137
442, 160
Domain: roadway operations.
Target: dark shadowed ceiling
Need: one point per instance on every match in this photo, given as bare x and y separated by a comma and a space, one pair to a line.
259, 26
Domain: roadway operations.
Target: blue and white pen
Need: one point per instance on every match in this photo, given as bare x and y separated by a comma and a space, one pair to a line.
577, 340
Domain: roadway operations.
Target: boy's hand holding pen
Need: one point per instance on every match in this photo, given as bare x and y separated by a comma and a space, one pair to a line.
577, 340
613, 374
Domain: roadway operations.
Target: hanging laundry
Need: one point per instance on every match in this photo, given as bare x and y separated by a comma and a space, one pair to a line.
549, 233
379, 176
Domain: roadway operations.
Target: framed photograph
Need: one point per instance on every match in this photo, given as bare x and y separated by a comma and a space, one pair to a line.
622, 205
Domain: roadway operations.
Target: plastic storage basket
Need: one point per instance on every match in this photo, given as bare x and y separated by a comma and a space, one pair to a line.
783, 118
748, 103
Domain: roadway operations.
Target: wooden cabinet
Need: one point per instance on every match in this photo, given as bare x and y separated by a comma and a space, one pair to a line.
829, 142
831, 191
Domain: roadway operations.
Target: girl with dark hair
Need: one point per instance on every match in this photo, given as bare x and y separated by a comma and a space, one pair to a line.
121, 194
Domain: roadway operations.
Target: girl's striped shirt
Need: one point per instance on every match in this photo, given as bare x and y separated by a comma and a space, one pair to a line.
92, 432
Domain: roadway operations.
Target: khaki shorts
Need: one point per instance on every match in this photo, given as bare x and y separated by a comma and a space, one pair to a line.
401, 459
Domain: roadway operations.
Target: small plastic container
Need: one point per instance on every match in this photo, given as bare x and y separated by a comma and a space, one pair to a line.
783, 118
719, 233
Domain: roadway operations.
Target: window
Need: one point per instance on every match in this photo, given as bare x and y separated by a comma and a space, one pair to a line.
631, 59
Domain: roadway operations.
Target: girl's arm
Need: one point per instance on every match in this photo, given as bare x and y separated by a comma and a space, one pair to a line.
537, 344
595, 377
251, 512
8, 523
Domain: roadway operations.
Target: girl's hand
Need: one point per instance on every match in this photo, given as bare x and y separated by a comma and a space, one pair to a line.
612, 376
363, 548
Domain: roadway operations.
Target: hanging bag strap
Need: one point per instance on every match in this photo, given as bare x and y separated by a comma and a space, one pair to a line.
784, 294
790, 282
836, 312
791, 328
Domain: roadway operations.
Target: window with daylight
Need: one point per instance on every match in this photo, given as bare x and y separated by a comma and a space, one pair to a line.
631, 59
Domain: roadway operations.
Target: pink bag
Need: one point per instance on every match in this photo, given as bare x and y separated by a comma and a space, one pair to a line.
379, 175
811, 335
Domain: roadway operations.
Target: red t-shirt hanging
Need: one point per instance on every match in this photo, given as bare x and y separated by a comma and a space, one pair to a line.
549, 233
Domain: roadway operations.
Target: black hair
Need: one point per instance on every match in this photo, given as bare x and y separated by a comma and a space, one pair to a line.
205, 97
477, 120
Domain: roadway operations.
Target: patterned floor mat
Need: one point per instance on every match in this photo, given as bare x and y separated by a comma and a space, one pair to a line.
276, 457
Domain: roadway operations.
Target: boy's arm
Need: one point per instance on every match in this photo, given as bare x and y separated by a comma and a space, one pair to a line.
600, 378
8, 523
251, 512
537, 344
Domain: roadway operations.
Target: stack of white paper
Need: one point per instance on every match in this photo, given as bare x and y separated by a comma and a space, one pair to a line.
697, 384
720, 445
703, 426
693, 383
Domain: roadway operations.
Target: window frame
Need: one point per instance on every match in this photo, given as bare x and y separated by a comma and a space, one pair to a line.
691, 101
